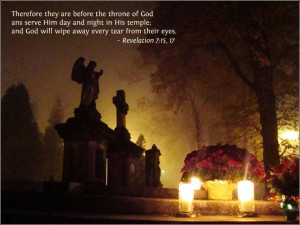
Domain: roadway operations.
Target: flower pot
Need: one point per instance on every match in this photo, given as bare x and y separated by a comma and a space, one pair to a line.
219, 190
289, 208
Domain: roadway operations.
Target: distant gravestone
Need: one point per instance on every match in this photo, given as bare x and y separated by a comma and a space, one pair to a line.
152, 167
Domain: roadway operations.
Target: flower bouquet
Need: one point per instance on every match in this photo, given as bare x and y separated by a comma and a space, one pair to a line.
284, 178
220, 163
284, 182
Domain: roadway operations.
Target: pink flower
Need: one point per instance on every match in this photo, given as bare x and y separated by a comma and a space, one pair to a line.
209, 159
239, 165
280, 168
193, 159
295, 166
261, 174
187, 162
220, 151
227, 159
183, 169
230, 162
286, 162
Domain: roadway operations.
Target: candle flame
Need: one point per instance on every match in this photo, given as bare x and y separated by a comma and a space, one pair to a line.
245, 190
196, 183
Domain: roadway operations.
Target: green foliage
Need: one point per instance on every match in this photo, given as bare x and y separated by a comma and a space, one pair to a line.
141, 141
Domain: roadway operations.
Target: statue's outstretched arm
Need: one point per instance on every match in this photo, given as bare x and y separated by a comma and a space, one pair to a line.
99, 74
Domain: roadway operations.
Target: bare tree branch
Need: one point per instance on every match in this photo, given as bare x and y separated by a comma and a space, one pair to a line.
235, 64
283, 53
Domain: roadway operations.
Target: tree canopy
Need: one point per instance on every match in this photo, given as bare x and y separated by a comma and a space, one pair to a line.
141, 141
220, 47
21, 140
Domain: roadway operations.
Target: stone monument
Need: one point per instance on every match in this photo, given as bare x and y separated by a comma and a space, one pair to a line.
93, 152
86, 137
152, 167
90, 87
123, 155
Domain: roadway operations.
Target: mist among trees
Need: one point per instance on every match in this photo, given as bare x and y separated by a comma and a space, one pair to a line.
231, 76
26, 153
230, 59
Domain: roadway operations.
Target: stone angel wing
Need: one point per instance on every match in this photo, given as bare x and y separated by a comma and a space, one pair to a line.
78, 70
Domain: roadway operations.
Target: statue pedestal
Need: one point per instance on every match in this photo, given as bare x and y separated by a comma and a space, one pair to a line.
125, 166
87, 113
86, 139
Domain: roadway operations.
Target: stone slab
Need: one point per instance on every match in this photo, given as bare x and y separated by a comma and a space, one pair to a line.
120, 204
125, 205
13, 216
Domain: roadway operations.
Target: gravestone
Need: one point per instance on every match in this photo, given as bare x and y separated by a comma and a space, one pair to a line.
96, 154
123, 155
153, 171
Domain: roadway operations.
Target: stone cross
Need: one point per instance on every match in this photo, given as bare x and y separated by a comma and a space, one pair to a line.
122, 108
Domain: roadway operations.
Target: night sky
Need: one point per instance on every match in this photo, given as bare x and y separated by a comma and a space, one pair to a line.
44, 63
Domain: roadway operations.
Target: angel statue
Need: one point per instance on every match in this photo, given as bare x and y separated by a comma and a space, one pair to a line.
89, 80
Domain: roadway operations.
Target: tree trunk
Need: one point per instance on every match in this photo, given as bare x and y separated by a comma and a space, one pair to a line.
267, 110
196, 115
197, 124
263, 89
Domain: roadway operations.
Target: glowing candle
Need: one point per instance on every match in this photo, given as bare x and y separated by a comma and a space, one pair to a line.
186, 196
246, 196
196, 183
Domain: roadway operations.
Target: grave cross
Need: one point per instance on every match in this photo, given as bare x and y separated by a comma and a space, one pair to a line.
122, 108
